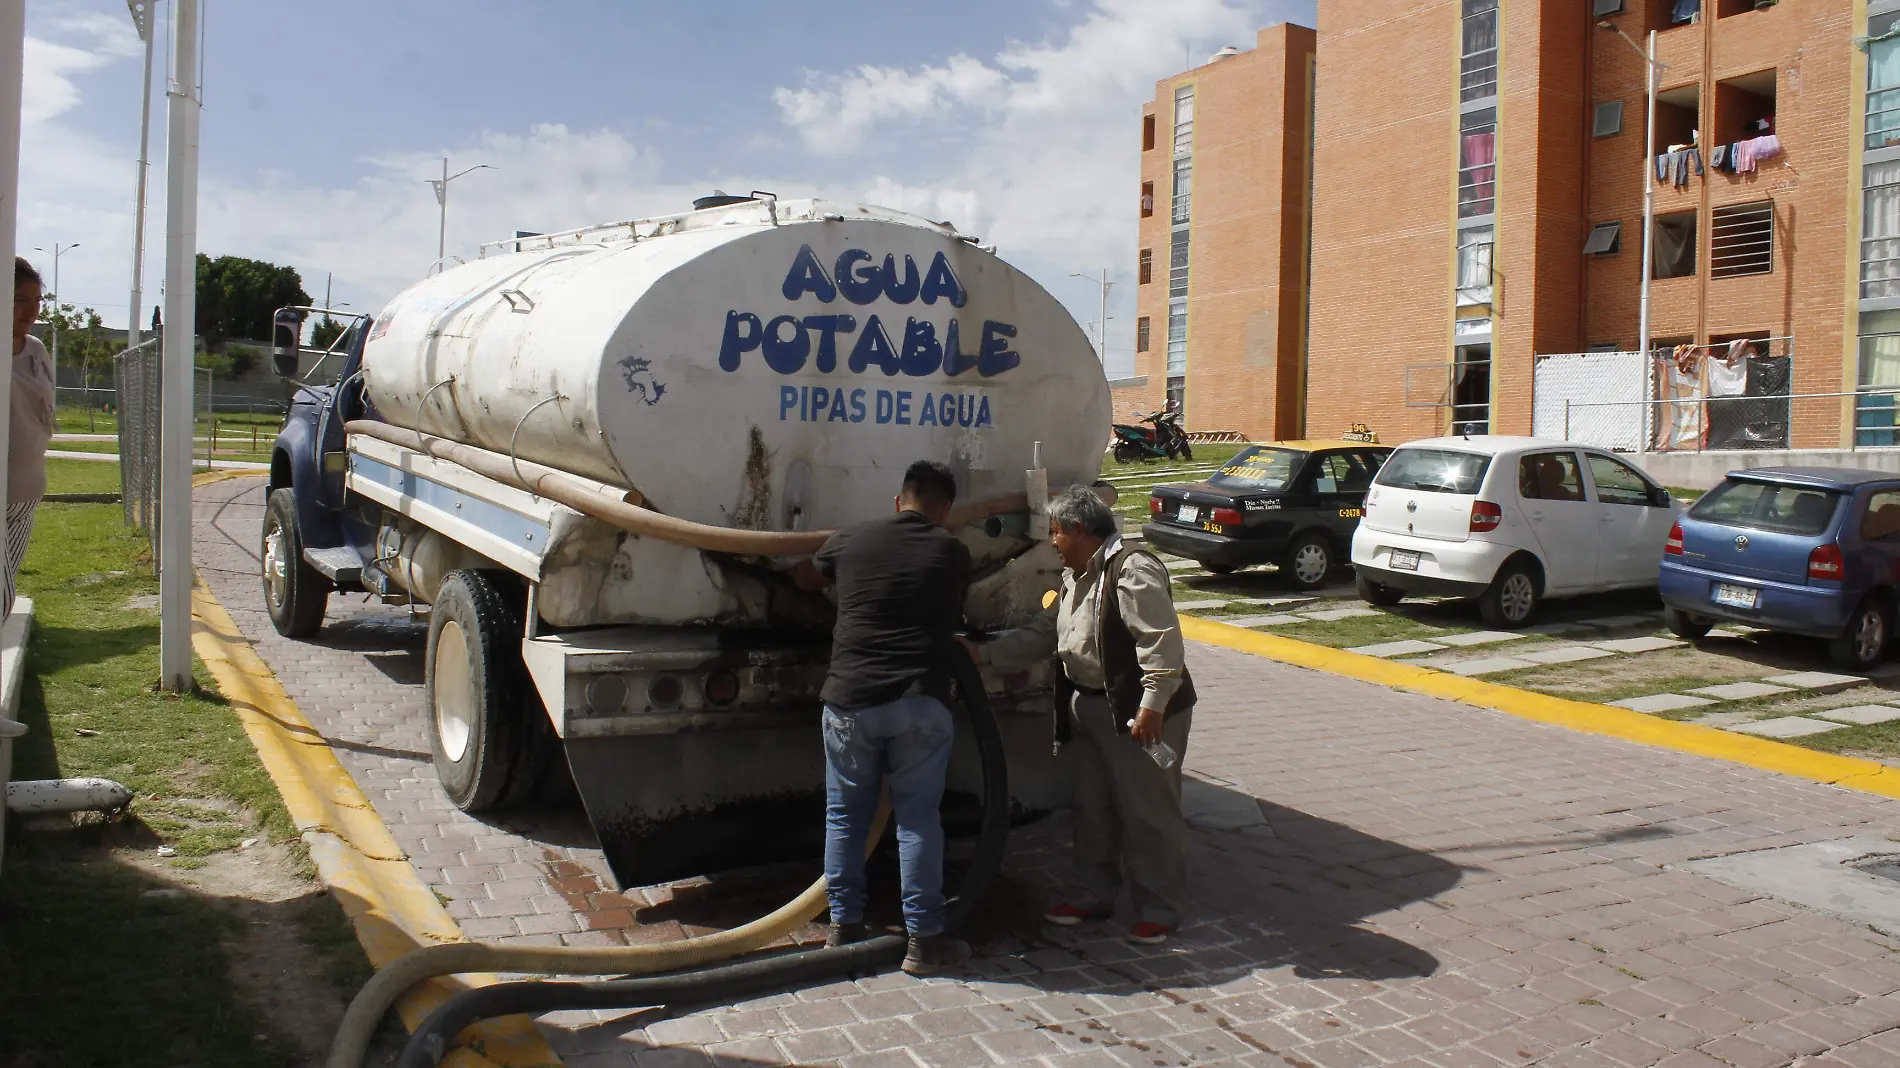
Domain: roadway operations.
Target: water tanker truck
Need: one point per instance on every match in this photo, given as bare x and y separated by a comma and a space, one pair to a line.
596, 456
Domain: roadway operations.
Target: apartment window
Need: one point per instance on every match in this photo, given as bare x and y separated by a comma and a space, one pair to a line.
1477, 163
1605, 239
1177, 396
1147, 133
1675, 245
1744, 107
1147, 266
1184, 120
1178, 265
1880, 231
1883, 83
1474, 266
1141, 334
1874, 414
1177, 337
1478, 68
1609, 119
1669, 14
1678, 116
1183, 153
1742, 240
1147, 199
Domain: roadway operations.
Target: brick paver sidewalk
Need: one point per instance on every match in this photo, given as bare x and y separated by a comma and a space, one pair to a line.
1431, 885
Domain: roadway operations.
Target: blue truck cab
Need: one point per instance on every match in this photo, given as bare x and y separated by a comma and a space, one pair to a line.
313, 544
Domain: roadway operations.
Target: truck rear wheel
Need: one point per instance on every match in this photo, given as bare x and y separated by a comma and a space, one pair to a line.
474, 685
295, 593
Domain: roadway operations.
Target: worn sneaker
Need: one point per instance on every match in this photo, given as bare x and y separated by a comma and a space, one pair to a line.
1149, 934
935, 954
1067, 915
843, 934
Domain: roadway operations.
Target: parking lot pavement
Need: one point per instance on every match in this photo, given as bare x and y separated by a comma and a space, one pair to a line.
1426, 884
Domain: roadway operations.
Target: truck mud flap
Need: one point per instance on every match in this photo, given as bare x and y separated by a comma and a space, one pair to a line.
674, 806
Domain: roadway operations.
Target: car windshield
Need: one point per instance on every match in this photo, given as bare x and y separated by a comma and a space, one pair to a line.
1258, 468
1770, 506
1434, 471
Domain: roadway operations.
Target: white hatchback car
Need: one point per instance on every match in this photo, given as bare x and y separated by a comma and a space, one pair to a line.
1509, 521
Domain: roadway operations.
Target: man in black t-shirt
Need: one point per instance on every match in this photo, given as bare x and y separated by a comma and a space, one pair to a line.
900, 588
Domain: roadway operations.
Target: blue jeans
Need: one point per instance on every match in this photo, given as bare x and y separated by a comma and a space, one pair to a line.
907, 741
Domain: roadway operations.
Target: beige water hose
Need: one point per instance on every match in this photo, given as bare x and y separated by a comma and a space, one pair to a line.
366, 1010
613, 505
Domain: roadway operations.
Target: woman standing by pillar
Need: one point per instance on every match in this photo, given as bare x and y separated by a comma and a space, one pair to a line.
31, 423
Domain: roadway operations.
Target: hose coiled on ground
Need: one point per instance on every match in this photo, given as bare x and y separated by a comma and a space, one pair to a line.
431, 1041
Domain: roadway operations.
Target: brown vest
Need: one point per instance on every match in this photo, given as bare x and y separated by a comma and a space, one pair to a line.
1119, 665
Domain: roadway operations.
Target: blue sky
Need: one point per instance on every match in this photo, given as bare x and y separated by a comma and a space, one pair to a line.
1016, 120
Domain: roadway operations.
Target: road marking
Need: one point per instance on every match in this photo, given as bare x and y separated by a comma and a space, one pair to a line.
1764, 754
392, 910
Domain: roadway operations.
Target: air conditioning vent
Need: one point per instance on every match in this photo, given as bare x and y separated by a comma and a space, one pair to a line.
1609, 119
1607, 7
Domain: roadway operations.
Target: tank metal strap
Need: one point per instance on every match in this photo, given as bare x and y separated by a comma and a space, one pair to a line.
515, 438
426, 394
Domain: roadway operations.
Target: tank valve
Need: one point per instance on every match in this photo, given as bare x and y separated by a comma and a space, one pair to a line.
1036, 486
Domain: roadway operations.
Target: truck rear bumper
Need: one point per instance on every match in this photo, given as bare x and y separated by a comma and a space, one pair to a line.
679, 784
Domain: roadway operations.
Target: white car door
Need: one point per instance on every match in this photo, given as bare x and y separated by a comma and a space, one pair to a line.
1551, 492
1633, 516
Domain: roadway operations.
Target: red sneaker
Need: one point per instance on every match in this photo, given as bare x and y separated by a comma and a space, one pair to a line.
1067, 915
1149, 934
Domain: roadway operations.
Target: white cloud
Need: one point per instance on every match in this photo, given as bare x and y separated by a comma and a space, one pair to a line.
834, 115
1051, 171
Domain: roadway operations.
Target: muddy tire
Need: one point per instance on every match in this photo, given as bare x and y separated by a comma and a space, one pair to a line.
475, 686
1864, 641
1685, 626
1511, 600
295, 593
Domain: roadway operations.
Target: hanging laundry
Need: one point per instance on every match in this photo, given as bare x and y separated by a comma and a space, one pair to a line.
1679, 419
1663, 167
1728, 376
1767, 146
1745, 157
1727, 412
1719, 158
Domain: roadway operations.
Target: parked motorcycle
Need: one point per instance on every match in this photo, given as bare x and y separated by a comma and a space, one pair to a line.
1157, 436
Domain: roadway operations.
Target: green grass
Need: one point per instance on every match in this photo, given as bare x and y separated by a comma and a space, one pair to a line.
80, 476
83, 939
72, 420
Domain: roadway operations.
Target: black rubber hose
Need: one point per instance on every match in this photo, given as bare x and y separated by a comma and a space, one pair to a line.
726, 982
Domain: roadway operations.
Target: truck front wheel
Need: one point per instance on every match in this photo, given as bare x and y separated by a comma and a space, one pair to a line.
295, 592
473, 683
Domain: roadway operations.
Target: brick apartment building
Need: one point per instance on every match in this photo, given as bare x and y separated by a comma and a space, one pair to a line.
1478, 189
1225, 176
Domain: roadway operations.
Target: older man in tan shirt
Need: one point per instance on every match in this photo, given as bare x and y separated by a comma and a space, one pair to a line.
1121, 687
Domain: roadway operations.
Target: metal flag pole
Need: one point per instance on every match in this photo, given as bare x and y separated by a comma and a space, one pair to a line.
181, 291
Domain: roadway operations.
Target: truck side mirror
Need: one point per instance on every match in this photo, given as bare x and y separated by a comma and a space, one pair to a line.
286, 343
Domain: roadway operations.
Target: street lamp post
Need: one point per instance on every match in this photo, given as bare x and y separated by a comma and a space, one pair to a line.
142, 19
442, 200
1654, 70
58, 251
1103, 321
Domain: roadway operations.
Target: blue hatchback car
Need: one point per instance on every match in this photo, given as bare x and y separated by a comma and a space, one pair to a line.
1807, 550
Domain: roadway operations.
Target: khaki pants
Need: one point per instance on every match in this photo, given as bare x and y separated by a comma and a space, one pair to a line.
1127, 815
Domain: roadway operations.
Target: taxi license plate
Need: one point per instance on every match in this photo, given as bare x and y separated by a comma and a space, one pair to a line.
1188, 514
1404, 560
1737, 596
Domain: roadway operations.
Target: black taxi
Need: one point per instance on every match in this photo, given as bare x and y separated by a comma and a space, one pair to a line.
1290, 503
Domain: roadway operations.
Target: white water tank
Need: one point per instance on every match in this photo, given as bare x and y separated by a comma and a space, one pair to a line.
766, 365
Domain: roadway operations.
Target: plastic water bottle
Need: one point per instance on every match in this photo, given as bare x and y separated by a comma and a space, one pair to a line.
1160, 752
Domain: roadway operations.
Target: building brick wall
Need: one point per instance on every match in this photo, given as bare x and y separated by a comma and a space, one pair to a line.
1246, 296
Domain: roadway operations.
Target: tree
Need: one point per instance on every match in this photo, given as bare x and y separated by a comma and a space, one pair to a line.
326, 331
236, 296
82, 342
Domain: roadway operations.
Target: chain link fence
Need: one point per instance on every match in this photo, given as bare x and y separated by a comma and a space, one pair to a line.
137, 374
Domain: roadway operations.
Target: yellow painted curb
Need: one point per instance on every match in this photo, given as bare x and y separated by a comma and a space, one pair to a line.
1608, 720
359, 860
